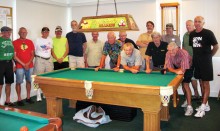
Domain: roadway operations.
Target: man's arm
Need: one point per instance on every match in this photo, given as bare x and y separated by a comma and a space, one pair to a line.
53, 54
67, 50
31, 59
133, 69
84, 50
118, 64
18, 60
176, 71
142, 44
214, 49
148, 69
102, 63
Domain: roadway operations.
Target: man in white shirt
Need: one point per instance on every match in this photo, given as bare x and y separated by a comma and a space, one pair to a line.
93, 53
43, 59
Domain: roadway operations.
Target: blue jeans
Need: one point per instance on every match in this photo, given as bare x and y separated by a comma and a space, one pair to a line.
21, 72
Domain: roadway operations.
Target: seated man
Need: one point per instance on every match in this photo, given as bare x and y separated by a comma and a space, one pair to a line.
131, 59
178, 61
157, 51
112, 47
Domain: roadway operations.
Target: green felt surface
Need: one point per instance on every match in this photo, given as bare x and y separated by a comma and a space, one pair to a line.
13, 121
141, 78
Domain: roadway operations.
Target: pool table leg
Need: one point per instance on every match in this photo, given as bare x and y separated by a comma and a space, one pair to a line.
151, 121
164, 113
54, 107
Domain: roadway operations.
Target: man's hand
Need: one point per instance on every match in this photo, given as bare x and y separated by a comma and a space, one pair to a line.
148, 71
14, 68
163, 71
97, 68
60, 60
179, 72
116, 69
134, 71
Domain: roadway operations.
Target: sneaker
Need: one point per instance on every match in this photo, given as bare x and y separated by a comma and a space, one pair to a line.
184, 104
39, 99
9, 104
20, 103
39, 95
200, 113
207, 108
189, 110
30, 101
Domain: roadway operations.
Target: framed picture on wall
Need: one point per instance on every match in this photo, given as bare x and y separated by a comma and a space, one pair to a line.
6, 17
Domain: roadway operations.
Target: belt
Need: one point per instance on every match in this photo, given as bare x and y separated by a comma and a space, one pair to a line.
159, 66
42, 57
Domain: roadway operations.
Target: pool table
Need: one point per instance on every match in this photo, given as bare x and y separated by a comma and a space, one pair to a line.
12, 119
139, 90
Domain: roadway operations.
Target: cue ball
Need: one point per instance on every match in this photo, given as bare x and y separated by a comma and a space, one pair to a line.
23, 128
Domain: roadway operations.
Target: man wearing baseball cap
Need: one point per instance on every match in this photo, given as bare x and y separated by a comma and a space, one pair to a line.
43, 60
60, 50
169, 36
6, 64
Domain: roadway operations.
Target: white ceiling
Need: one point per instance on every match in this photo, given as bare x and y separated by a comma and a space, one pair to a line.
81, 2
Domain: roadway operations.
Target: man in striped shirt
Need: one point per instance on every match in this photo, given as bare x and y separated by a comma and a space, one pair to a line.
179, 61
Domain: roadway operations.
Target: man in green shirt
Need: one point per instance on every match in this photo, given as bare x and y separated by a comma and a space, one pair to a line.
6, 64
188, 48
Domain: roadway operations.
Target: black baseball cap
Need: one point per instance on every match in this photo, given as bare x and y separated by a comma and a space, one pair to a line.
45, 29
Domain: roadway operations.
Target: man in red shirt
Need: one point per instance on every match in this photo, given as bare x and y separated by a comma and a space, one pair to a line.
179, 61
24, 55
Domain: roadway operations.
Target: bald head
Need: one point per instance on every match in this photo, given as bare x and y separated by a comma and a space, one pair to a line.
199, 22
199, 18
111, 34
111, 37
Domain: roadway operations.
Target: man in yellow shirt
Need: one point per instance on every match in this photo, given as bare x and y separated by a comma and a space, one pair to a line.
60, 50
145, 38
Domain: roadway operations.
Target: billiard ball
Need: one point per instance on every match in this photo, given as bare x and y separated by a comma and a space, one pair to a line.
23, 128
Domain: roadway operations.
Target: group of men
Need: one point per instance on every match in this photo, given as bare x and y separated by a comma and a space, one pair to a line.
151, 52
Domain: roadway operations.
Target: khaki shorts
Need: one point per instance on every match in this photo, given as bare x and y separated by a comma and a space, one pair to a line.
75, 61
42, 65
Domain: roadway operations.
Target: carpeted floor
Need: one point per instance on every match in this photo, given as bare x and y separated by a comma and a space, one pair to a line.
177, 122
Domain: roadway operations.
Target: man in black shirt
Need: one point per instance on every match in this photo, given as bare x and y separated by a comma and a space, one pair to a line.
156, 51
204, 46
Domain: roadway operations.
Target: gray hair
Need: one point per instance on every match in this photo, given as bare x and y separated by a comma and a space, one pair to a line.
173, 44
155, 34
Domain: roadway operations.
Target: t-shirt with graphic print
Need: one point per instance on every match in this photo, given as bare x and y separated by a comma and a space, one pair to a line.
43, 47
23, 49
202, 41
6, 49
